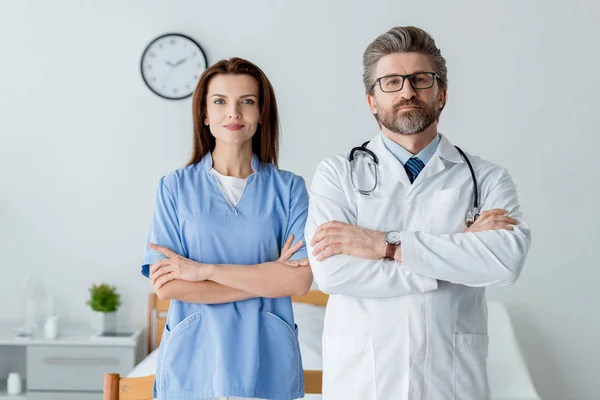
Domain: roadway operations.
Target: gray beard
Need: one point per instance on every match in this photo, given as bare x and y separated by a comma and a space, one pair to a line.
410, 122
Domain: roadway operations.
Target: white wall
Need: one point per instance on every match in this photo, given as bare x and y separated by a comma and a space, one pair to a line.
83, 142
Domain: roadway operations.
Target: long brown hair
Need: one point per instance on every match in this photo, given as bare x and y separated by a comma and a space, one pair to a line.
265, 142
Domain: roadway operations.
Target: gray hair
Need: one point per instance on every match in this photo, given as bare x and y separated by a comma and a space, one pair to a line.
403, 39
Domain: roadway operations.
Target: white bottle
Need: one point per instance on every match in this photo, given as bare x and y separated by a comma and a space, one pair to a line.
13, 384
51, 327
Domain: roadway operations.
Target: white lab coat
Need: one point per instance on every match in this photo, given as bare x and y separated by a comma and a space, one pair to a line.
418, 329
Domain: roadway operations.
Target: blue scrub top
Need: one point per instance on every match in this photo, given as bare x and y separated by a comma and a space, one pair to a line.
247, 348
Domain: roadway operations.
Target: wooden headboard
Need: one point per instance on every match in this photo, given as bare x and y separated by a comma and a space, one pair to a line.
157, 313
157, 319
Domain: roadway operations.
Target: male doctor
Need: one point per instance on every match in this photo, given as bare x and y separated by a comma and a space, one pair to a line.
407, 315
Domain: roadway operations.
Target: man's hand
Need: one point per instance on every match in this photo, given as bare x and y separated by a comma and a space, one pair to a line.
493, 220
336, 237
176, 266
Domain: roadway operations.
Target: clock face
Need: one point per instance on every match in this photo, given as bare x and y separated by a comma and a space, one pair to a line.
171, 66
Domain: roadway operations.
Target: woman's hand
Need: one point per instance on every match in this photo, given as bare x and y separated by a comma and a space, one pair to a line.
175, 266
493, 220
288, 252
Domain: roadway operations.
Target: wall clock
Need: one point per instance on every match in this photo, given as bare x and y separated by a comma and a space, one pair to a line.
171, 65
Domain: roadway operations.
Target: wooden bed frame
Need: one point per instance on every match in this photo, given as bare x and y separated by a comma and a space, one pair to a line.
140, 388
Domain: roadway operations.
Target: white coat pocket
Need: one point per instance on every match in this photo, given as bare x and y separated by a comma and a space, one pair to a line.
348, 368
470, 367
445, 211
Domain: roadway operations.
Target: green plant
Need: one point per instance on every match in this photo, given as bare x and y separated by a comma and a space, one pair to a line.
104, 298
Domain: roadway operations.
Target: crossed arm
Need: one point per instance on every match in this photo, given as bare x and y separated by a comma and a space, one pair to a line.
180, 278
347, 259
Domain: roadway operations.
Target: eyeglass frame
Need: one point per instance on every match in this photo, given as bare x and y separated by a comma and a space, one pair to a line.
404, 77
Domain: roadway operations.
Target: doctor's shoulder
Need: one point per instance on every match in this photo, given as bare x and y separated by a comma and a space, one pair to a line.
334, 167
488, 173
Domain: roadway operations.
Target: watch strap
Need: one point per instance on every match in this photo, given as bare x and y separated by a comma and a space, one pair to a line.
390, 250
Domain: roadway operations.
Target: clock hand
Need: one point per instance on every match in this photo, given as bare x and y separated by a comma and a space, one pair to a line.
185, 59
180, 62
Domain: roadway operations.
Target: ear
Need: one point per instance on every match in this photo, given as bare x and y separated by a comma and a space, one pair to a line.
372, 103
442, 97
206, 121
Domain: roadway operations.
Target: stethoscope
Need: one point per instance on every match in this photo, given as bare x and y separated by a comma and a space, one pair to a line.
472, 214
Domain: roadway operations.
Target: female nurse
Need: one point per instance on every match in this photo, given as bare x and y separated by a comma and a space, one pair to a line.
225, 246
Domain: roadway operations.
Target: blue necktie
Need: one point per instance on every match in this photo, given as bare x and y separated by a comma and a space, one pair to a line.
413, 166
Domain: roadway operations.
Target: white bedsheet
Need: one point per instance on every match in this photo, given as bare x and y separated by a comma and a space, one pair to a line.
146, 367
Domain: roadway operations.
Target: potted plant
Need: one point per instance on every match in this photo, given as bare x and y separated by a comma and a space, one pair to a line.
104, 302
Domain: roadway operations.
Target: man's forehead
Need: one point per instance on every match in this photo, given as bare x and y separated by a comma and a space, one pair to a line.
402, 64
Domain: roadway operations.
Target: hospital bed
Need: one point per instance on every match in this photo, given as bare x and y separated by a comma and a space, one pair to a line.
507, 370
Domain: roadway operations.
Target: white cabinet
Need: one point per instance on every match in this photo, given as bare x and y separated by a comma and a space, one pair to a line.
71, 367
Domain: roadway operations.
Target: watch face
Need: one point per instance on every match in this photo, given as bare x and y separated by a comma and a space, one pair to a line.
171, 65
393, 237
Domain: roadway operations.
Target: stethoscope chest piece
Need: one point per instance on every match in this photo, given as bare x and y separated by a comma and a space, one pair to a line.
472, 216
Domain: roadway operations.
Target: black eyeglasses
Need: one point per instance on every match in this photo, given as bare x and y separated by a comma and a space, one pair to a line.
395, 83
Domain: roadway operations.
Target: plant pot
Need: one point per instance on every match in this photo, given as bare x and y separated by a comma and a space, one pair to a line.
104, 321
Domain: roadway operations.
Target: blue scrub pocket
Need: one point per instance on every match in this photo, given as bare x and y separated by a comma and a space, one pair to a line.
179, 367
280, 363
157, 378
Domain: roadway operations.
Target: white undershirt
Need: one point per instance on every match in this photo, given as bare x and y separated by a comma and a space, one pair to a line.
231, 186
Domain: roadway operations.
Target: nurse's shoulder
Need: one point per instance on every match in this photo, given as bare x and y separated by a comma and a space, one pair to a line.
189, 176
285, 180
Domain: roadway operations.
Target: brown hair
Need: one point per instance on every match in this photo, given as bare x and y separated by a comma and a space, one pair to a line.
265, 142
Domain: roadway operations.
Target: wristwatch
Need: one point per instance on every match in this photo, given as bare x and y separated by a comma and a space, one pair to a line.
392, 238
